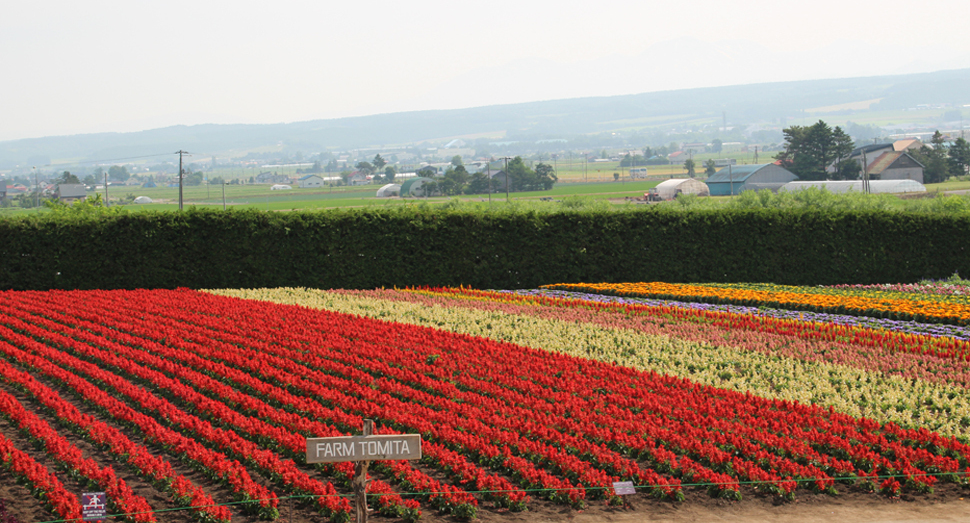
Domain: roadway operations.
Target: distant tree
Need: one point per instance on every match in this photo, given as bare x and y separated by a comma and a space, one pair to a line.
935, 159
519, 175
843, 147
647, 152
848, 170
959, 154
454, 181
365, 167
390, 173
90, 180
317, 167
689, 165
379, 163
456, 160
194, 178
217, 180
545, 177
809, 151
717, 145
478, 184
616, 177
66, 178
118, 173
710, 168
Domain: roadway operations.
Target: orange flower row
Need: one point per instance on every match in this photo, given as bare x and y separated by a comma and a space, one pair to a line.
920, 310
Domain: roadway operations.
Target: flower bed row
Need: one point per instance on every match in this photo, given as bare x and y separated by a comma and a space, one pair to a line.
939, 330
897, 307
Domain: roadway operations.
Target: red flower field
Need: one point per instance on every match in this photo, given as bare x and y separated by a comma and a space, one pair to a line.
168, 399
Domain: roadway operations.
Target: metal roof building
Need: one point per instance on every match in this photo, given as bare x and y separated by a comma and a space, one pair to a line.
737, 178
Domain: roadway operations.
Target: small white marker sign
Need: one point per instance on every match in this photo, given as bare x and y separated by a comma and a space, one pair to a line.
363, 448
624, 488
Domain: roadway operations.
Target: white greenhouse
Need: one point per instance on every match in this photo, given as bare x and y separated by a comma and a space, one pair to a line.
143, 199
669, 189
391, 189
875, 186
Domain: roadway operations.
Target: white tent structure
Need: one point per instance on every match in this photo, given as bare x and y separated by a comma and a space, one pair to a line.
280, 187
391, 189
143, 199
875, 186
669, 189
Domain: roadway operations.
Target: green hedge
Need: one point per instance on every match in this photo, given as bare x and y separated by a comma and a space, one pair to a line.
415, 246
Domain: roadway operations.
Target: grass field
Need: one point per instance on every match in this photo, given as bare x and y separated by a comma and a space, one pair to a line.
600, 187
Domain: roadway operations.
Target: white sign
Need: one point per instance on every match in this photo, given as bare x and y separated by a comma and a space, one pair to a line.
363, 448
624, 488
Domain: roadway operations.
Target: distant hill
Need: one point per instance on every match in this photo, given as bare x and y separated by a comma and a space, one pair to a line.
743, 104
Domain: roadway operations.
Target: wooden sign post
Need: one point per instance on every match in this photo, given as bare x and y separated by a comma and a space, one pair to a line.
362, 450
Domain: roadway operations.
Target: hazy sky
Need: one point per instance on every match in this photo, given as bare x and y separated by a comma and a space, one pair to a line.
69, 67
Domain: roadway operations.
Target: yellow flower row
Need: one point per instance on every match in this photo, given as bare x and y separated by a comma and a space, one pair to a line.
885, 398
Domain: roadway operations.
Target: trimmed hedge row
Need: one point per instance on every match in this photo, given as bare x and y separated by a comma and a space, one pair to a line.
401, 247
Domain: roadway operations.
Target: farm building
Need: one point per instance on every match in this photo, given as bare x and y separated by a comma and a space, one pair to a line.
391, 189
735, 179
888, 161
896, 165
414, 188
69, 192
499, 181
875, 186
669, 189
310, 181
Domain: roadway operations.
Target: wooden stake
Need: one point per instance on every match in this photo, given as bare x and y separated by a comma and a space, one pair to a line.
360, 479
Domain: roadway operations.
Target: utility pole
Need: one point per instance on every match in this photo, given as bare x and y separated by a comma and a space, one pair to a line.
488, 170
507, 180
36, 187
756, 155
181, 175
105, 188
223, 195
865, 173
731, 179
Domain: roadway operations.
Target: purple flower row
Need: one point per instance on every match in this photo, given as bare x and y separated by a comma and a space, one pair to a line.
910, 327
